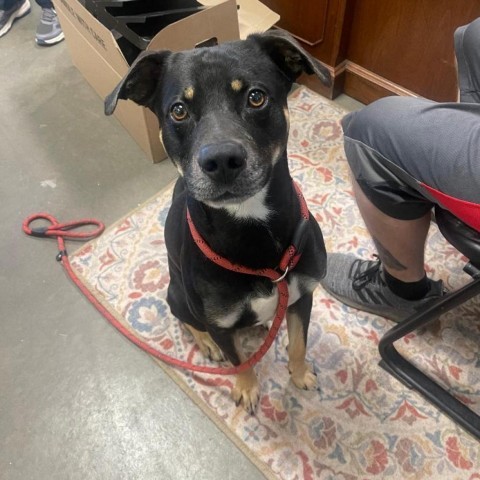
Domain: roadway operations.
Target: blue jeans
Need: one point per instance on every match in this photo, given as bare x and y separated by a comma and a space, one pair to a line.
7, 4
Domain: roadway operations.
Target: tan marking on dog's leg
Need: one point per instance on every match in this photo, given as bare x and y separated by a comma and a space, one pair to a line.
188, 93
301, 373
236, 85
246, 391
206, 344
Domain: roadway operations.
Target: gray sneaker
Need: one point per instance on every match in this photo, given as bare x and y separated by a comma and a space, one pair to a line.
49, 31
359, 284
7, 17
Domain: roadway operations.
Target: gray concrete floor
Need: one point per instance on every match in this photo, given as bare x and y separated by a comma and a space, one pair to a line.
77, 401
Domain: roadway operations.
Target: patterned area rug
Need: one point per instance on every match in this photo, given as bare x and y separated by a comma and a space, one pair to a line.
362, 423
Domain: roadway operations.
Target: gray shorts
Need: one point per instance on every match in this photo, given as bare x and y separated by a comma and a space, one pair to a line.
408, 154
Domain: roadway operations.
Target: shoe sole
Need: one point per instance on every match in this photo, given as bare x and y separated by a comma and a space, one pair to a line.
24, 10
364, 308
50, 41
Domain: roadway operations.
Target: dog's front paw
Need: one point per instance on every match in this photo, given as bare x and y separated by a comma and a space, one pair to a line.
303, 377
246, 391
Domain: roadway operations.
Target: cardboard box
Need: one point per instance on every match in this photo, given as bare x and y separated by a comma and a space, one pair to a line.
96, 54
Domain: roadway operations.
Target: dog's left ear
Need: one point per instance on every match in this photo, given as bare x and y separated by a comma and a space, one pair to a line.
289, 56
140, 82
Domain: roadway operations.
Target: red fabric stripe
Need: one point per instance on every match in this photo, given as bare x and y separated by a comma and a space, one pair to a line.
467, 212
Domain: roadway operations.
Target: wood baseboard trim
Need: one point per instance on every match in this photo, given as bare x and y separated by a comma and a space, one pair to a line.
357, 82
366, 86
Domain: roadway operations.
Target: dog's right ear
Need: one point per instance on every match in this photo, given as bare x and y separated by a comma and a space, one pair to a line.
140, 82
289, 56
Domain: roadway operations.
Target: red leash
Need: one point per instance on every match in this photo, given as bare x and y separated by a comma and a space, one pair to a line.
63, 231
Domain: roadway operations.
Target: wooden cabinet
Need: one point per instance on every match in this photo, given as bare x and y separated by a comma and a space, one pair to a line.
376, 48
306, 20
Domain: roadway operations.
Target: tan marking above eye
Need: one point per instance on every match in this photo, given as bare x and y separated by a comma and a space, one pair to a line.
188, 93
236, 85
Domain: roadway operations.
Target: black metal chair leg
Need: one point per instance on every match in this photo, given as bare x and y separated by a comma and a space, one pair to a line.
411, 376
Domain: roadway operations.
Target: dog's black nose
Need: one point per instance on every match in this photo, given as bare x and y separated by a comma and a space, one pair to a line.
222, 162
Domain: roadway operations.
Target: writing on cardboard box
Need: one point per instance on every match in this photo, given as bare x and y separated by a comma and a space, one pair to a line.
84, 24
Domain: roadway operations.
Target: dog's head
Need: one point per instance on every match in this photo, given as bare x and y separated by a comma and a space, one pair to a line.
222, 110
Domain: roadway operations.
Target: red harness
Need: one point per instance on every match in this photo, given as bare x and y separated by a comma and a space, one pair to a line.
289, 259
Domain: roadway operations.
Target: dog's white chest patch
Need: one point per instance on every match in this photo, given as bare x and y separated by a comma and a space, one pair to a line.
254, 208
265, 307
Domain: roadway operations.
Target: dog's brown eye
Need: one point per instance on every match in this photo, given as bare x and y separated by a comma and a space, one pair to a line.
179, 112
256, 98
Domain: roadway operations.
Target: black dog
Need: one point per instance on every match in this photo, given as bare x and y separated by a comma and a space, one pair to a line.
224, 120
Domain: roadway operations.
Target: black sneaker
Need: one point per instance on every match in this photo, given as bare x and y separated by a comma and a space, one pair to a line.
360, 284
7, 17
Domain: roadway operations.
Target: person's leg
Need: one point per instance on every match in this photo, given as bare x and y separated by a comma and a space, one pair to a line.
400, 243
8, 4
44, 3
401, 151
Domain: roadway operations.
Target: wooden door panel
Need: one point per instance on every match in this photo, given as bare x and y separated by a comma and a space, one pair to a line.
410, 42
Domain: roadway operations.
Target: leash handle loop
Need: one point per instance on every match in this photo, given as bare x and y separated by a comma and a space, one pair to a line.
63, 230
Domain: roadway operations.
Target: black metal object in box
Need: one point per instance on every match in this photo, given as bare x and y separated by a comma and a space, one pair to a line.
138, 21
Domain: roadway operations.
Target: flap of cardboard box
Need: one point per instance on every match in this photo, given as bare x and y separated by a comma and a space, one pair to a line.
253, 16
